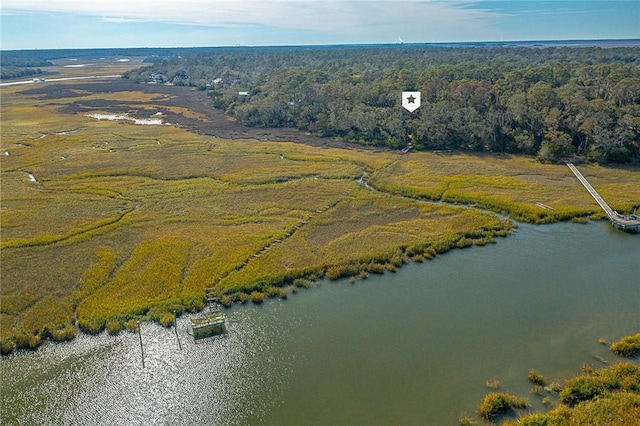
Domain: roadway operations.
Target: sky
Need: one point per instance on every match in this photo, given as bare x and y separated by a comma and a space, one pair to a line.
62, 24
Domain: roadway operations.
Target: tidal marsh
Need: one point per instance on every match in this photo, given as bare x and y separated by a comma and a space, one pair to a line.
129, 222
602, 396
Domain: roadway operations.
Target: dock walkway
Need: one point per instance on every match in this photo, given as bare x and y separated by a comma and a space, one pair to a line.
629, 223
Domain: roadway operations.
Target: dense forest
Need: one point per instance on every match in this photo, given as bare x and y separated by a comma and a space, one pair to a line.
18, 72
18, 65
553, 102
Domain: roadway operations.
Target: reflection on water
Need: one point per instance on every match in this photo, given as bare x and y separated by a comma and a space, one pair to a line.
413, 347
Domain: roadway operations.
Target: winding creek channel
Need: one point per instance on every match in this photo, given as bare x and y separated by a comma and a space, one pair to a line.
410, 348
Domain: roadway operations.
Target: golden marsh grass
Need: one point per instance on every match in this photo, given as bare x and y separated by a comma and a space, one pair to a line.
128, 222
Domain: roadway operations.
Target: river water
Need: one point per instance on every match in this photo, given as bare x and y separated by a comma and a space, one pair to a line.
414, 347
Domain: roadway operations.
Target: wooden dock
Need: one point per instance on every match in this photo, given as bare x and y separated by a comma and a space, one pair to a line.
629, 223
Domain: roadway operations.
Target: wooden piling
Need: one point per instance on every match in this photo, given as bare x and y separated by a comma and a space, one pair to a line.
141, 348
175, 328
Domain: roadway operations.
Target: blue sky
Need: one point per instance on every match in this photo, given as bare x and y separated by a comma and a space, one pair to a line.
41, 24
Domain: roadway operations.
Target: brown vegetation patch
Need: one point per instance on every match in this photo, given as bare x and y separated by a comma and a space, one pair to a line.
216, 123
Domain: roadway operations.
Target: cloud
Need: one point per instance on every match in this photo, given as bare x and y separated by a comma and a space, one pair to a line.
120, 20
430, 19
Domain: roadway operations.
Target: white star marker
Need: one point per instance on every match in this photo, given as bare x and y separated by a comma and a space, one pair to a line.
411, 101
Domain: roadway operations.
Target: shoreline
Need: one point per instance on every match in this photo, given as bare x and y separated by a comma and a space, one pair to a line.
161, 348
273, 190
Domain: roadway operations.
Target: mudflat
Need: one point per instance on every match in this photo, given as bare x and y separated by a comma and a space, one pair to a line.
208, 121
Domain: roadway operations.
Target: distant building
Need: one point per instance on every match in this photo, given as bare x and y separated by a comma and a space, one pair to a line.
243, 93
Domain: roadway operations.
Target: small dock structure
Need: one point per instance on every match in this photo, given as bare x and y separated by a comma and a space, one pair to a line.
211, 324
212, 299
208, 326
627, 223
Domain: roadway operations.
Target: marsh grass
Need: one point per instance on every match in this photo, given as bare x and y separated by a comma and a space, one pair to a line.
113, 326
375, 268
607, 396
242, 297
340, 271
496, 404
257, 297
509, 185
131, 325
272, 292
125, 228
628, 346
92, 325
581, 219
553, 387
27, 340
465, 420
493, 384
8, 345
61, 332
302, 283
167, 319
536, 378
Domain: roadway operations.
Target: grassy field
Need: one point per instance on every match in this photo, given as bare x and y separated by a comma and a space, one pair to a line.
517, 186
108, 221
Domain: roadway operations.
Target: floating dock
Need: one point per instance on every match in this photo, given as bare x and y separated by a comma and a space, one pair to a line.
628, 223
211, 324
208, 326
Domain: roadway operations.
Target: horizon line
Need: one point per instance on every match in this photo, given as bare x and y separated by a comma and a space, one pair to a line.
441, 43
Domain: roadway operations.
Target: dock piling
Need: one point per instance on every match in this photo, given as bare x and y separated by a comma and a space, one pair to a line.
141, 348
175, 328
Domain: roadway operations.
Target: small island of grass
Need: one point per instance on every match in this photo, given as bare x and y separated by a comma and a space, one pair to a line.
628, 346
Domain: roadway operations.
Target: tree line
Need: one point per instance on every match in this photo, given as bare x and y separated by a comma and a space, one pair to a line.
552, 102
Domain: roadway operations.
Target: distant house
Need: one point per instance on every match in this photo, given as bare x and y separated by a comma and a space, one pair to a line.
243, 93
157, 79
